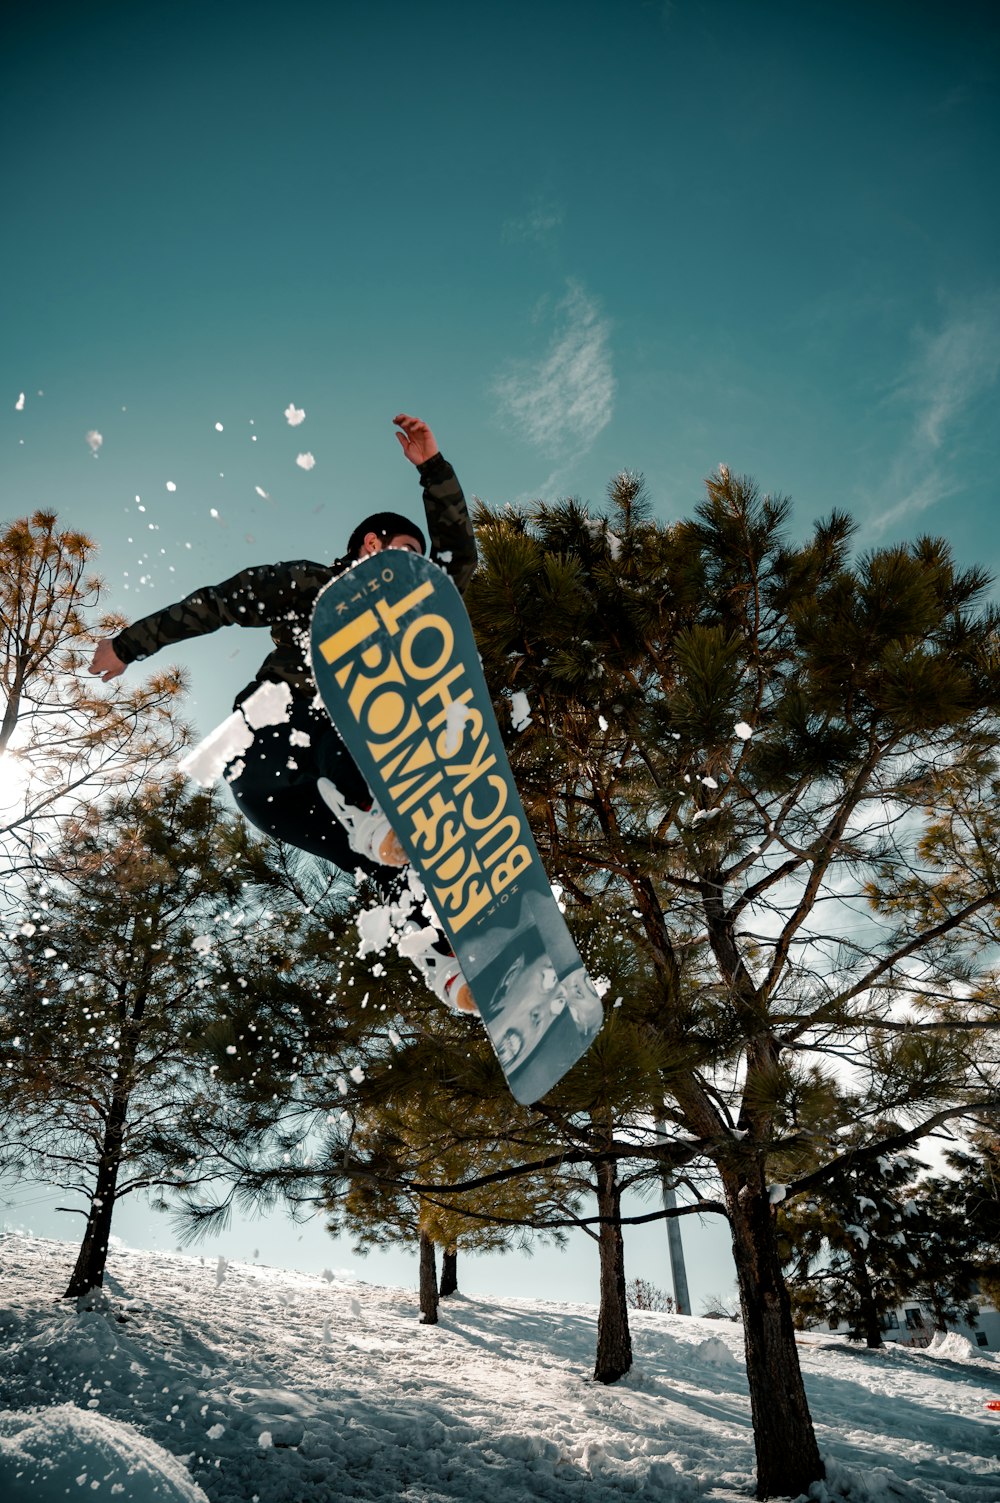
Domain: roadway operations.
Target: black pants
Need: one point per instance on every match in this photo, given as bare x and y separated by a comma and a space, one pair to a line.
276, 790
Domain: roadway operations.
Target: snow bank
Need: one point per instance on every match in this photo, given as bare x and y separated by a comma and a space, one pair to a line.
716, 1353
47, 1455
959, 1348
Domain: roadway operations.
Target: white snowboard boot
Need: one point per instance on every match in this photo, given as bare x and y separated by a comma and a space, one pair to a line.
443, 975
368, 831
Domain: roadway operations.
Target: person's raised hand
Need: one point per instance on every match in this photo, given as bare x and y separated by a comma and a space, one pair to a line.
416, 440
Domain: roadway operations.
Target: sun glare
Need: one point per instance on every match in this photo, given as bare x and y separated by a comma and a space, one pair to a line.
15, 775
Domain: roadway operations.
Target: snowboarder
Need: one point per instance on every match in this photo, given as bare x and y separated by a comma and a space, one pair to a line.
298, 782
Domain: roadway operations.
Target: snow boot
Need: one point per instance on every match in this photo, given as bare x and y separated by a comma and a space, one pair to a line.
368, 831
443, 975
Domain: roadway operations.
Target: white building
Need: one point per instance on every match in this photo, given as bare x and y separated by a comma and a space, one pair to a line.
912, 1324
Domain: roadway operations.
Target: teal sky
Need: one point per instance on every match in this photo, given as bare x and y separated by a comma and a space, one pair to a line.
575, 237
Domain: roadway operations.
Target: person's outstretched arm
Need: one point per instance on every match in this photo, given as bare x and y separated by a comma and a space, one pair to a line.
449, 525
259, 596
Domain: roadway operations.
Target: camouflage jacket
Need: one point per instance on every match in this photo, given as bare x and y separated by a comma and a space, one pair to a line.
281, 596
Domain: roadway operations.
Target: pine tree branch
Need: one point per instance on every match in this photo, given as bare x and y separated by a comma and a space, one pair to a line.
833, 1010
886, 1147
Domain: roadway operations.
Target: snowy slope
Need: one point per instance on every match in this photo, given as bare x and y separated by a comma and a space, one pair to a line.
235, 1382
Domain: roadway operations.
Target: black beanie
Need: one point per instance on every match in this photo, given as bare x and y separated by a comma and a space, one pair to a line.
386, 525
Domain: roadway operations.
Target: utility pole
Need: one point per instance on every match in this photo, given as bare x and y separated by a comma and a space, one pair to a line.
678, 1273
675, 1247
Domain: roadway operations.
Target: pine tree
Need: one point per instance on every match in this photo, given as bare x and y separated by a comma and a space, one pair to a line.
978, 1168
116, 1000
413, 1136
766, 770
62, 740
432, 1142
397, 1135
846, 1247
942, 1251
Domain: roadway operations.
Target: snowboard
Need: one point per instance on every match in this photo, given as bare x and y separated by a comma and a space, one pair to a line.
396, 666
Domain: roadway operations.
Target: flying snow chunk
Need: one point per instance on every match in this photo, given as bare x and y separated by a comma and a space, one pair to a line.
218, 427
19, 404
456, 716
269, 705
95, 440
776, 1194
374, 930
295, 415
743, 730
262, 493
202, 944
206, 762
417, 942
520, 712
171, 486
305, 461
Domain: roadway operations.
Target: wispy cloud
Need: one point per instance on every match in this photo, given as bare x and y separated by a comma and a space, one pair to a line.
566, 398
954, 368
959, 363
542, 220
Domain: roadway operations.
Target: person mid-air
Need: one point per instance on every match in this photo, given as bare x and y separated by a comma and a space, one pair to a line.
298, 782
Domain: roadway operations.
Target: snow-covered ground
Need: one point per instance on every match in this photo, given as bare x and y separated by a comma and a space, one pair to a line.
203, 1379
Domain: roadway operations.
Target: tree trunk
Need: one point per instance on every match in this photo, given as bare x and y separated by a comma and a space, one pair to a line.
788, 1459
428, 1282
614, 1340
449, 1272
93, 1255
939, 1307
871, 1320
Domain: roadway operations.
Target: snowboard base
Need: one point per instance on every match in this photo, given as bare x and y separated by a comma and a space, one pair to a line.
396, 666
